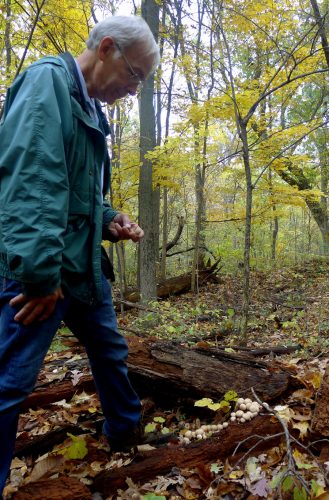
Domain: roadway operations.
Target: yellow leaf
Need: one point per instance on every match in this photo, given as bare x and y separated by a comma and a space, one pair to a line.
236, 474
284, 412
315, 379
303, 428
92, 409
204, 402
323, 496
76, 450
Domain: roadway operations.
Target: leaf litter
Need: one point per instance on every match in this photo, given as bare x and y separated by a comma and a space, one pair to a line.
284, 312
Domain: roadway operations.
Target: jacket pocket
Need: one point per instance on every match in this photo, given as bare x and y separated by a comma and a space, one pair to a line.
79, 203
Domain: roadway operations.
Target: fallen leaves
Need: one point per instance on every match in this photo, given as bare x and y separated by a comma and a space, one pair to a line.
256, 475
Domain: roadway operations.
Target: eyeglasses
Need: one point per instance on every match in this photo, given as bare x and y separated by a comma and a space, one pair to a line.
134, 77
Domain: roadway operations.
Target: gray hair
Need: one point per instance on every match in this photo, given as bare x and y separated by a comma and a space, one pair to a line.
126, 32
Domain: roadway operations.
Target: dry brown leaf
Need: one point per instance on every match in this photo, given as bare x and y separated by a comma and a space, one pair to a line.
16, 463
44, 468
303, 428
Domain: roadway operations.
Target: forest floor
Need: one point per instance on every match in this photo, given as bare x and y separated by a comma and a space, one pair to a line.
289, 307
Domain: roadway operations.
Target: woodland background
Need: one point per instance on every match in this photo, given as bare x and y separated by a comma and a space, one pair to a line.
223, 159
226, 155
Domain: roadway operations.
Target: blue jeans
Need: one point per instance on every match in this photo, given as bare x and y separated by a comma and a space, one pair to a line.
23, 348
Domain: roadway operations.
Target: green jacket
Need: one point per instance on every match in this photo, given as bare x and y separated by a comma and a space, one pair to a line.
52, 210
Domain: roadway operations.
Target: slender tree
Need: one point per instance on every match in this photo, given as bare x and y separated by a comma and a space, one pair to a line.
148, 196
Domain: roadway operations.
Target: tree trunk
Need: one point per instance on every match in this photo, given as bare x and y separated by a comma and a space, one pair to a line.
247, 238
294, 176
322, 30
148, 197
163, 262
275, 226
275, 232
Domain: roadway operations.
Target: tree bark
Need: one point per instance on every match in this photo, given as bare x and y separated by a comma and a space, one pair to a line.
320, 20
167, 372
54, 489
247, 237
148, 197
161, 461
320, 421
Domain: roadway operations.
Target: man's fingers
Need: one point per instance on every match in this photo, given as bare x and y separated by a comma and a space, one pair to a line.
29, 312
37, 308
48, 311
19, 299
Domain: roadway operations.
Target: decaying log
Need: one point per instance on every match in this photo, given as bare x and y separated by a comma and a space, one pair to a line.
27, 445
47, 394
175, 286
320, 421
263, 351
173, 371
54, 489
149, 464
168, 373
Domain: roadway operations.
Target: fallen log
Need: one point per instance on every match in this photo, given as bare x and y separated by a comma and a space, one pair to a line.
177, 285
27, 445
149, 464
167, 373
46, 394
173, 371
320, 421
54, 489
263, 351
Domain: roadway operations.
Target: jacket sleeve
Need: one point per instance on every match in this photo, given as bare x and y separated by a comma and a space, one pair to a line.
34, 135
108, 215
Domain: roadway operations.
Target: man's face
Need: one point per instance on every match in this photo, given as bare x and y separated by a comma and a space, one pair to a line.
119, 73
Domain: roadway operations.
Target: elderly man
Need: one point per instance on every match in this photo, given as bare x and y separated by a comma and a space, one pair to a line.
55, 172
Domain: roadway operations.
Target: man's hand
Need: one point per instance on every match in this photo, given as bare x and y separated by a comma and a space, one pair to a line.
122, 228
35, 308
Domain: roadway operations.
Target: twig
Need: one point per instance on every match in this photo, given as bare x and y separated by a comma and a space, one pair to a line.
136, 305
261, 438
291, 468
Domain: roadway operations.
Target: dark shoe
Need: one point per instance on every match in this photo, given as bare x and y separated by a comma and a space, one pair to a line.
125, 442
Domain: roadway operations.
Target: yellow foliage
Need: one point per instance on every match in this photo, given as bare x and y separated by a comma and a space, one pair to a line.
64, 25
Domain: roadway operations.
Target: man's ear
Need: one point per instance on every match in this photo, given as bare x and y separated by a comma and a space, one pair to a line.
105, 47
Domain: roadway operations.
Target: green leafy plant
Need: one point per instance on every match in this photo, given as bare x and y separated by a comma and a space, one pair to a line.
224, 404
155, 425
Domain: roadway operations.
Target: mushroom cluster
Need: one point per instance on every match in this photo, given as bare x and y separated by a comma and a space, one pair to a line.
202, 432
246, 409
